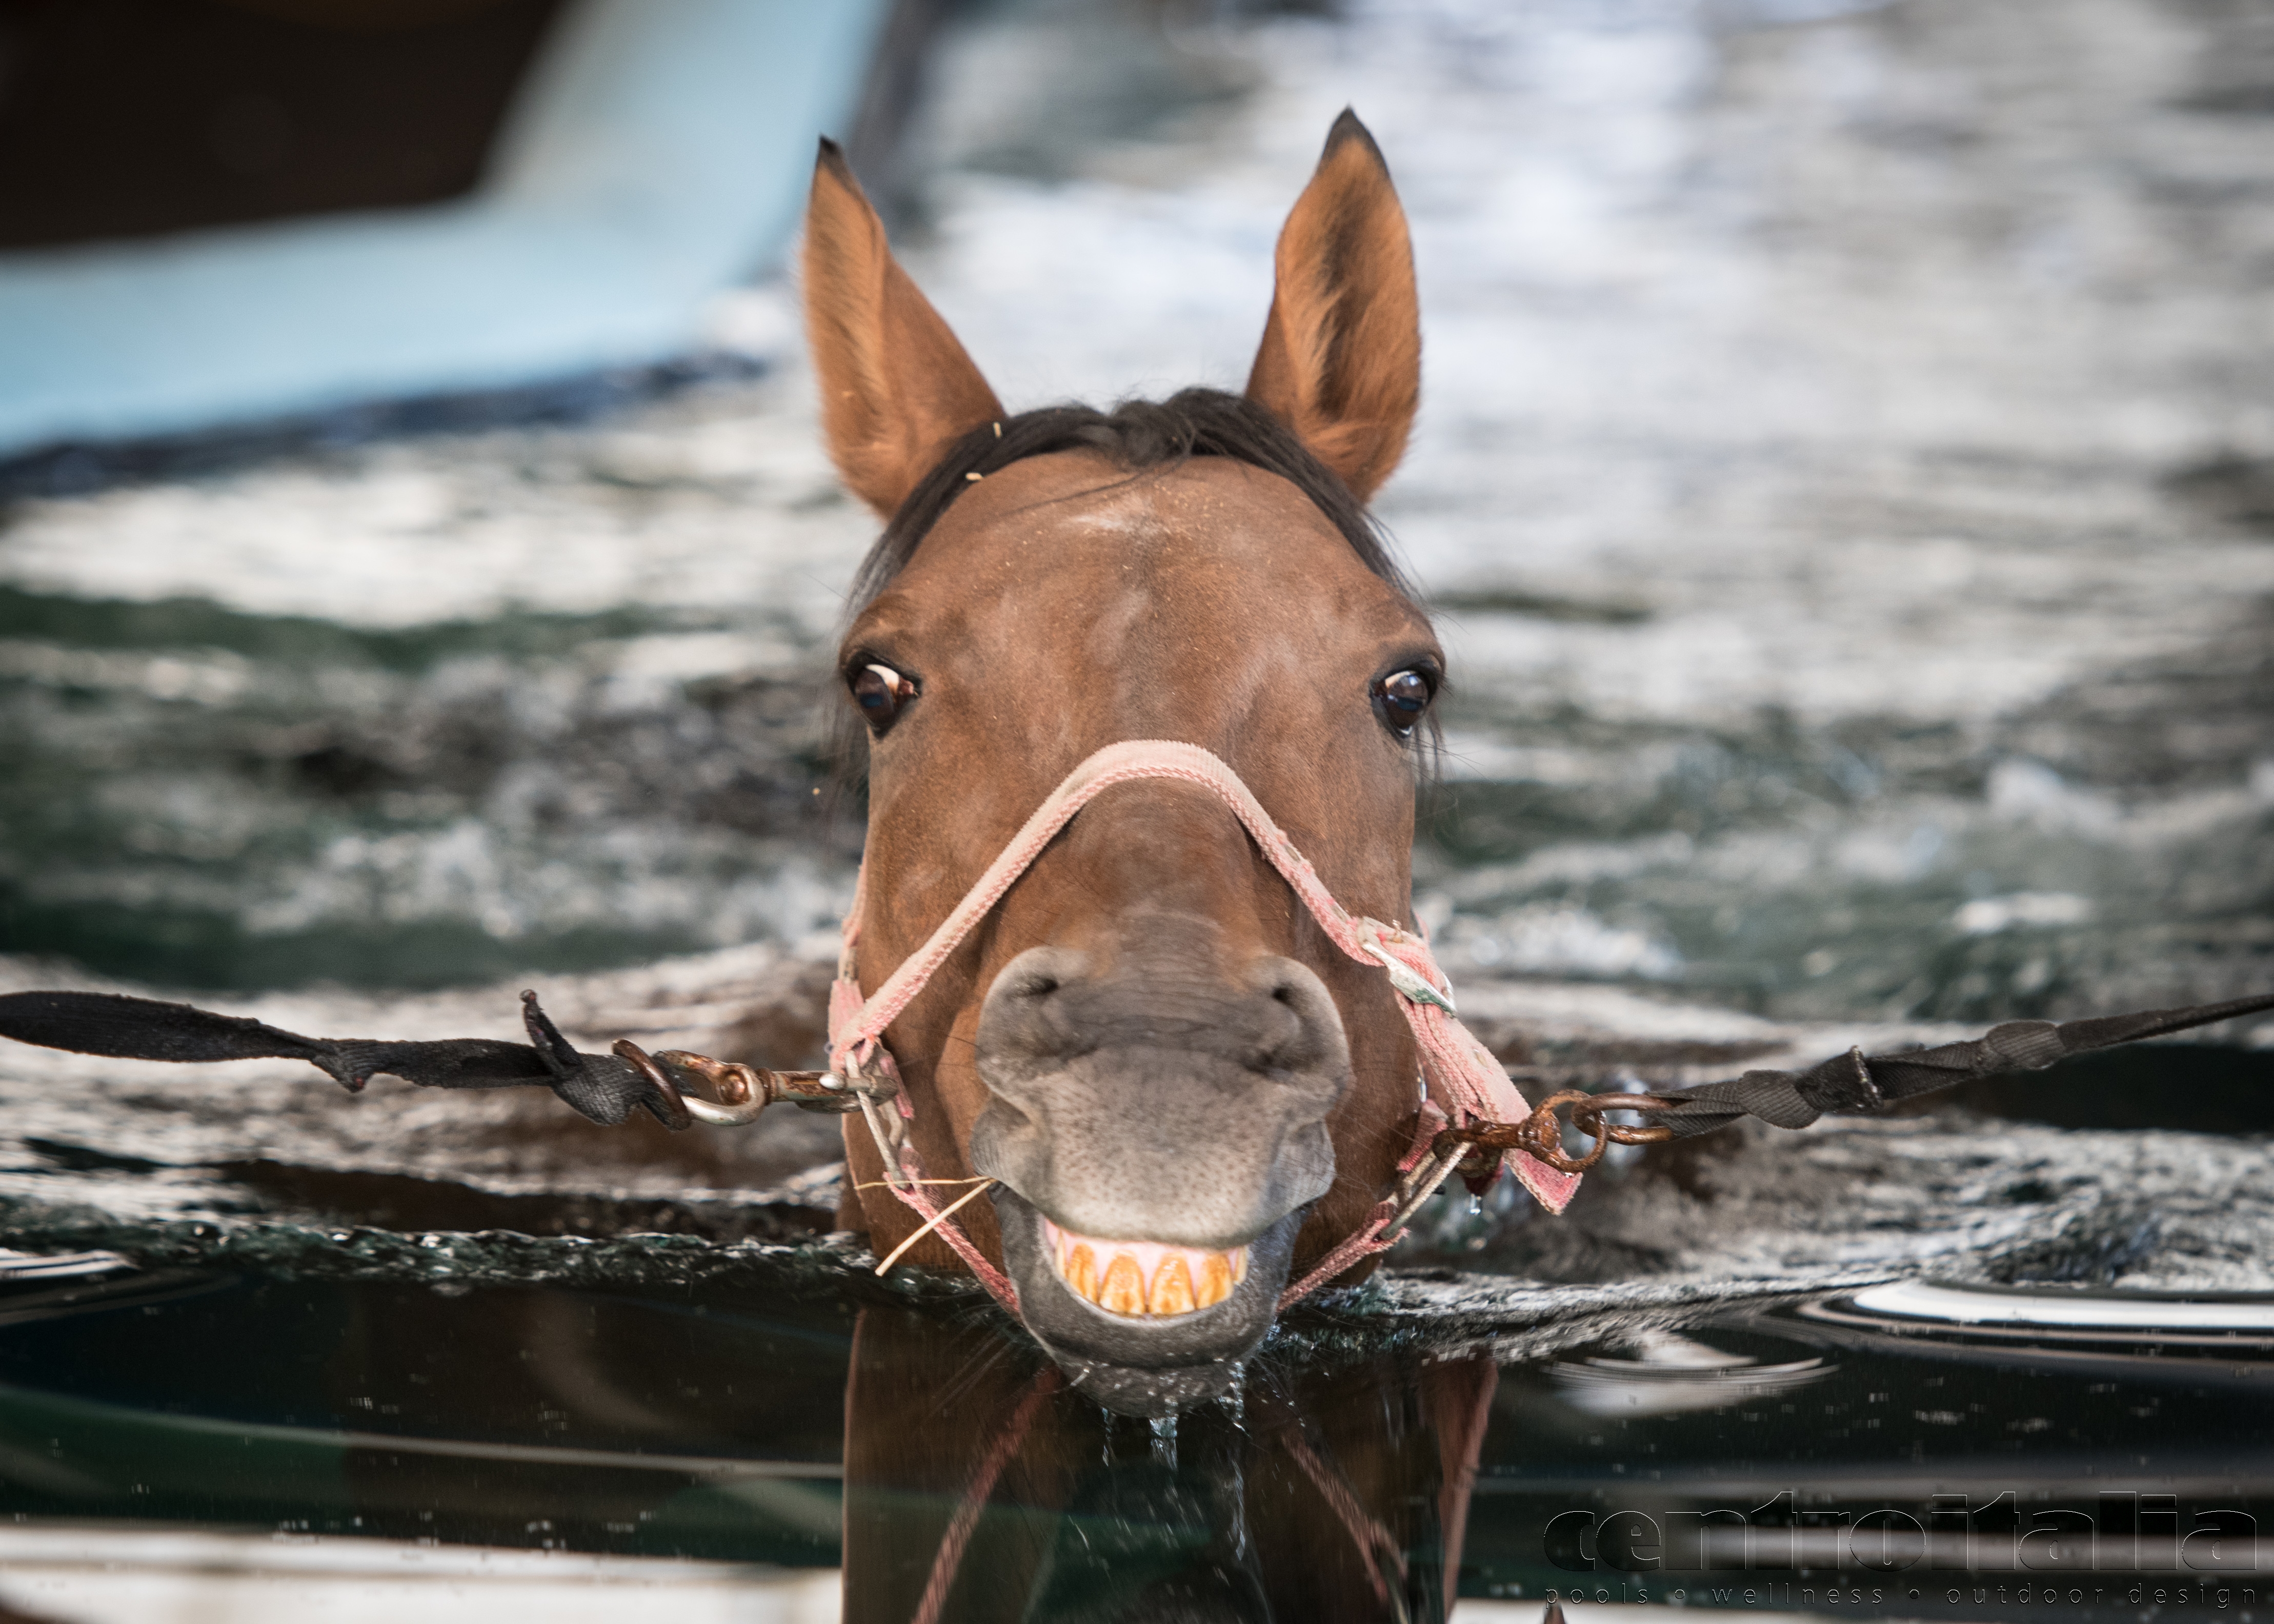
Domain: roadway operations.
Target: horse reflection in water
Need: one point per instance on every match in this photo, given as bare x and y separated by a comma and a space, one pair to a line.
978, 1486
977, 1483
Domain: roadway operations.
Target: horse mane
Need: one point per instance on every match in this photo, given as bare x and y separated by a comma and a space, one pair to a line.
1137, 435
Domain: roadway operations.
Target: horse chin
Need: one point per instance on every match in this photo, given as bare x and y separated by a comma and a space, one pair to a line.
1143, 1364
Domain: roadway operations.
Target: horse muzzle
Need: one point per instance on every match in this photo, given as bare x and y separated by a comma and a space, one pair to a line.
1142, 1363
1158, 1133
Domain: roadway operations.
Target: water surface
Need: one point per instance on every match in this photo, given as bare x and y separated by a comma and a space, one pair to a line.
1899, 1452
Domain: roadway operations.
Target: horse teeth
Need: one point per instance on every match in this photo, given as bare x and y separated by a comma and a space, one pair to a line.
1172, 1288
1123, 1291
1079, 1269
1144, 1279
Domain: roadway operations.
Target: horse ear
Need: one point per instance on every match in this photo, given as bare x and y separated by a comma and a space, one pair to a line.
1341, 358
896, 386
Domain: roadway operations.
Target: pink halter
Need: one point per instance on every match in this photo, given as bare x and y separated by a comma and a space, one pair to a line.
1462, 1083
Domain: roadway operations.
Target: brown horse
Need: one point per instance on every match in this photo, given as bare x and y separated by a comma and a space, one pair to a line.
1179, 1083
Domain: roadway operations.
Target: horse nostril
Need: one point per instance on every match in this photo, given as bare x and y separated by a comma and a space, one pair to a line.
1308, 1029
1030, 981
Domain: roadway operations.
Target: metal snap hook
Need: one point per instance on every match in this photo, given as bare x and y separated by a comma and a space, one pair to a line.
727, 1094
1540, 1135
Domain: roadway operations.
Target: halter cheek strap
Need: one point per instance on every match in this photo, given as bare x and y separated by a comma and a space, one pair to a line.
1461, 1082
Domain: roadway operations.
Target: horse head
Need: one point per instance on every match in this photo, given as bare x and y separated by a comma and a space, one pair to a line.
1180, 1087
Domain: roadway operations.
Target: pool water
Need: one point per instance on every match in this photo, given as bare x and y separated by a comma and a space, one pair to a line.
1842, 479
1908, 1451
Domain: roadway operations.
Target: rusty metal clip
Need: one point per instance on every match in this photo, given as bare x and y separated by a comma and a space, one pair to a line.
743, 1091
677, 1115
727, 1094
1540, 1135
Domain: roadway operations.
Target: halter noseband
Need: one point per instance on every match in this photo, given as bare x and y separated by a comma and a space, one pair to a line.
1461, 1082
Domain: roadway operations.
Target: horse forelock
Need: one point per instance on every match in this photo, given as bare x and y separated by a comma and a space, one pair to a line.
1137, 435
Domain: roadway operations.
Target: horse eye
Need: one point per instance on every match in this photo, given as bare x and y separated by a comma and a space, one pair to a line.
882, 694
1405, 696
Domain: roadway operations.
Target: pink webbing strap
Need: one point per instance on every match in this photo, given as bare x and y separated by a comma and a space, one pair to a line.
1462, 1077
947, 1562
1369, 1536
899, 1155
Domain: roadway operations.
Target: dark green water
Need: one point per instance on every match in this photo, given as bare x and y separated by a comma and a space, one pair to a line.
1817, 1453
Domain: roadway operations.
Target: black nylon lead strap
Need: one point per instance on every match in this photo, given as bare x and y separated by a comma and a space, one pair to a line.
600, 1086
1850, 1085
103, 1023
607, 1089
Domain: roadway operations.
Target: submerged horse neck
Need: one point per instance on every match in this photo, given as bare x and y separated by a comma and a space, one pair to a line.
1175, 1082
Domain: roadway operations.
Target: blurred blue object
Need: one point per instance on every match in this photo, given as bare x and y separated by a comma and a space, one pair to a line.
657, 154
